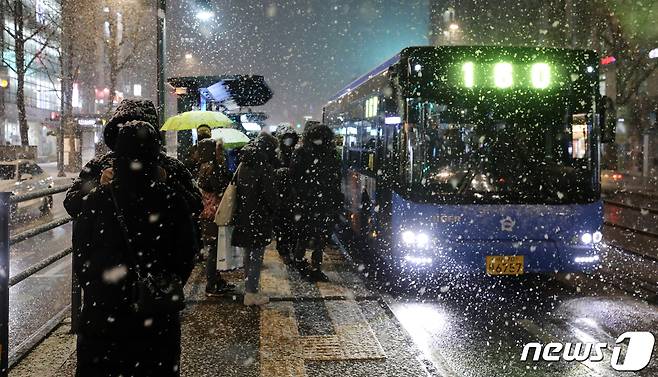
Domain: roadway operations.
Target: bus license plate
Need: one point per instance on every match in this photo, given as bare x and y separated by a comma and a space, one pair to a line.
504, 264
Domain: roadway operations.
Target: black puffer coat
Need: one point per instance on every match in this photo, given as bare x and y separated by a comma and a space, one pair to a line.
257, 194
163, 229
178, 177
315, 173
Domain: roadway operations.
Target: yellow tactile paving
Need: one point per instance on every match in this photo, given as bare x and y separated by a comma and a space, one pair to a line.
279, 346
333, 287
274, 279
283, 351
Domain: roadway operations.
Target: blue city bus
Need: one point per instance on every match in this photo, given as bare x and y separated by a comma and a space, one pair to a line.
475, 159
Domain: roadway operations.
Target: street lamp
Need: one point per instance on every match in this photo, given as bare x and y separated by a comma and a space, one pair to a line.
160, 61
205, 15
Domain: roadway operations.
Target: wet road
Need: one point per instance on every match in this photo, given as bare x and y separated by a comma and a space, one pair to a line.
479, 326
40, 297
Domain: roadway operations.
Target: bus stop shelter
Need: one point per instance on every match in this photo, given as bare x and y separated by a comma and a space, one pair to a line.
225, 93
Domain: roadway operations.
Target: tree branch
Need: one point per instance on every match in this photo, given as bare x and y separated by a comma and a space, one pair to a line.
6, 63
41, 49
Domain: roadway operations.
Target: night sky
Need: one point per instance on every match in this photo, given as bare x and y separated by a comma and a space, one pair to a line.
307, 50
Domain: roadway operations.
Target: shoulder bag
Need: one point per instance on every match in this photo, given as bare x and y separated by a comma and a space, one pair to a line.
228, 204
151, 293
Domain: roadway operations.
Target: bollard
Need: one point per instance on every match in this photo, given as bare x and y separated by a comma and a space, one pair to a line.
4, 283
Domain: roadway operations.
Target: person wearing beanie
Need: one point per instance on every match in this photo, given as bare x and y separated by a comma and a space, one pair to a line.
203, 132
114, 339
257, 202
99, 171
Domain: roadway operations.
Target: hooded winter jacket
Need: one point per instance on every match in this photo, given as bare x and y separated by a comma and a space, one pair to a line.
257, 198
177, 175
315, 173
284, 132
112, 337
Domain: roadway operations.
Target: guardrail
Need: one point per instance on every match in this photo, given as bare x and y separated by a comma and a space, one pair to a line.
6, 201
630, 207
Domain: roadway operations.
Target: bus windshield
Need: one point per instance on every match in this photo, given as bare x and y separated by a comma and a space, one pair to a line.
483, 156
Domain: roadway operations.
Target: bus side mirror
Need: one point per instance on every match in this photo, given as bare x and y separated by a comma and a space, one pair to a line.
607, 120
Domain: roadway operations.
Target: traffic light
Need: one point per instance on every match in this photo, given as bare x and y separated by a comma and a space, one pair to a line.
4, 83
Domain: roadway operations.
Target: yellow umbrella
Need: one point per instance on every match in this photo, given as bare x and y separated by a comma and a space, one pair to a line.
190, 120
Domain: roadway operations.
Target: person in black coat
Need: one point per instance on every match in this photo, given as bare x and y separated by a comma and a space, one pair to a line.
100, 169
284, 228
315, 172
257, 202
113, 339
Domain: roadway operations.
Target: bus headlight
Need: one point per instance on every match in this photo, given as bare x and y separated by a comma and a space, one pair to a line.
597, 237
417, 239
422, 240
588, 238
408, 237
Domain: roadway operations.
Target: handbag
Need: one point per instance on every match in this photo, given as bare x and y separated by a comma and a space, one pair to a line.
151, 293
228, 204
229, 257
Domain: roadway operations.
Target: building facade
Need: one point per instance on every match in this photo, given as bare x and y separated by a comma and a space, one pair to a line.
42, 87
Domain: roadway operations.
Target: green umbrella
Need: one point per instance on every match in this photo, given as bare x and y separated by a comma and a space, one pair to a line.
190, 120
231, 137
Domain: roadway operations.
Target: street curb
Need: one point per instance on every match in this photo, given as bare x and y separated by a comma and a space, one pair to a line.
34, 340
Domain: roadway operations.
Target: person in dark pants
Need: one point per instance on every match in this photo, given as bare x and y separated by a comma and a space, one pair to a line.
257, 202
100, 169
315, 172
284, 227
213, 179
113, 338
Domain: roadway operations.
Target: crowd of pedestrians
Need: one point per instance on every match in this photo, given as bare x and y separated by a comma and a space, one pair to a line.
142, 219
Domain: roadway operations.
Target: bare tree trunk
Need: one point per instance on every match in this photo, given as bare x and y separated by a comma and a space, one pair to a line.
20, 72
67, 56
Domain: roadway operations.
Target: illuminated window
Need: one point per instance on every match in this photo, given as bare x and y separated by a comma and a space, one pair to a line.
469, 74
40, 12
372, 107
579, 136
75, 101
503, 75
541, 75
